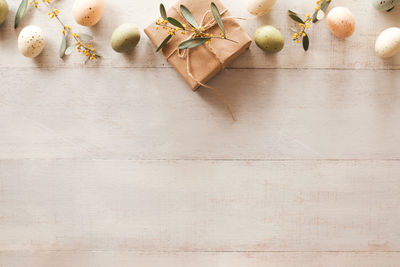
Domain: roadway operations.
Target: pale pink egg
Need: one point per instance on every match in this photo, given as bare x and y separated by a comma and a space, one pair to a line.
88, 12
341, 22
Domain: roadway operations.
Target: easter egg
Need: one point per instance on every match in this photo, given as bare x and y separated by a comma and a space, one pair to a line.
88, 12
3, 11
341, 22
385, 5
260, 7
269, 39
125, 38
388, 43
31, 41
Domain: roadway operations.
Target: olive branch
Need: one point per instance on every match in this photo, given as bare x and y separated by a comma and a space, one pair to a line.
81, 40
304, 24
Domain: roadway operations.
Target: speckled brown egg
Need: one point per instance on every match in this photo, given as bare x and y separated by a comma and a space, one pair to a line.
88, 12
341, 22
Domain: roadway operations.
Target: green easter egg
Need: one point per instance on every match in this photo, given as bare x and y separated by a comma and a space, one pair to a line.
269, 39
385, 5
125, 38
3, 11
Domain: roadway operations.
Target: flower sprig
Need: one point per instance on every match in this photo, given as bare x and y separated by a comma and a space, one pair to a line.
81, 40
198, 34
304, 24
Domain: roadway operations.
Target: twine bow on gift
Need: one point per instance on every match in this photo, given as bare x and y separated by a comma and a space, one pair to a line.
185, 53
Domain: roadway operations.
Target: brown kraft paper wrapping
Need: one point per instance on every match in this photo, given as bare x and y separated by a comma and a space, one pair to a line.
206, 60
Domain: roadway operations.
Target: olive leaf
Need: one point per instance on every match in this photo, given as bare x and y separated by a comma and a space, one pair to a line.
320, 14
306, 42
166, 40
85, 37
63, 46
70, 49
324, 6
163, 12
295, 17
175, 23
217, 17
20, 12
192, 43
189, 16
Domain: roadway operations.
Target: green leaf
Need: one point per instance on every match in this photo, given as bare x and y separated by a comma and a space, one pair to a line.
192, 43
320, 14
306, 42
324, 6
70, 49
20, 12
217, 17
163, 12
292, 12
175, 23
63, 46
189, 16
166, 40
295, 17
85, 37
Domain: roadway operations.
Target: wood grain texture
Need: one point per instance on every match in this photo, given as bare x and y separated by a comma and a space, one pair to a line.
326, 51
214, 259
200, 205
118, 163
113, 114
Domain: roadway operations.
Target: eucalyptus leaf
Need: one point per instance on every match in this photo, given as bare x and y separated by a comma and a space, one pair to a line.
292, 12
293, 29
20, 12
320, 14
324, 6
70, 49
175, 23
85, 37
192, 43
189, 16
63, 46
163, 12
217, 17
306, 42
295, 18
166, 40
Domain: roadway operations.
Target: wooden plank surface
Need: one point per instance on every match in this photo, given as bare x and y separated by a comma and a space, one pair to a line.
200, 205
118, 163
197, 259
84, 113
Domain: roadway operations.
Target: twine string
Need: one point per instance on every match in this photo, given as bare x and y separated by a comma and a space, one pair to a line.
185, 53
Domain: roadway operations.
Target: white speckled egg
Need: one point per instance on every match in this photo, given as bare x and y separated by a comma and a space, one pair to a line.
260, 7
388, 43
31, 41
88, 12
341, 22
385, 5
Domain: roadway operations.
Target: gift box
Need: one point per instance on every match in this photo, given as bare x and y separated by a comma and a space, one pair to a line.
198, 65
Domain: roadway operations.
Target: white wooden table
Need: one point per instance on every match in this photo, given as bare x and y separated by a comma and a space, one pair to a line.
118, 163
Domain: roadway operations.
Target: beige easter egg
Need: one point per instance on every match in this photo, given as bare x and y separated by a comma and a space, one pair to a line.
88, 12
31, 41
388, 43
341, 22
260, 7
